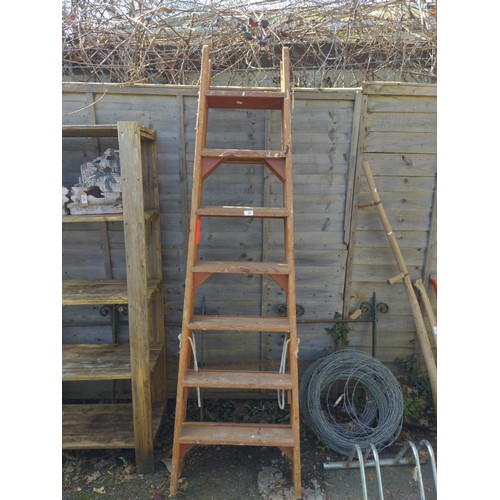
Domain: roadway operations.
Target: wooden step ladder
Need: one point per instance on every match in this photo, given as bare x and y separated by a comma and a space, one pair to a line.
284, 436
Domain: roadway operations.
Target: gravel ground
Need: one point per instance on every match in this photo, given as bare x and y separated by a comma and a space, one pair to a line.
239, 473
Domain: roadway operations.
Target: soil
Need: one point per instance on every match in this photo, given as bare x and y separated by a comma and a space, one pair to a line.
239, 473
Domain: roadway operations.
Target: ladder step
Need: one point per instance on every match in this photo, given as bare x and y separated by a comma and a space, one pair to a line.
244, 99
210, 433
240, 323
232, 379
227, 267
231, 211
242, 155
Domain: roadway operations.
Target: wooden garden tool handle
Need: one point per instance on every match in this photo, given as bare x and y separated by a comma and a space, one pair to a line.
423, 338
395, 279
418, 284
356, 314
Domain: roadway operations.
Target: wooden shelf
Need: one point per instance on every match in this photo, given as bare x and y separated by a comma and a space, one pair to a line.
244, 99
102, 131
208, 433
102, 426
84, 292
149, 214
92, 218
100, 361
239, 323
241, 379
117, 425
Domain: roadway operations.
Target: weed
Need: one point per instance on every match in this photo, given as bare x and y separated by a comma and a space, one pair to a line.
416, 390
338, 333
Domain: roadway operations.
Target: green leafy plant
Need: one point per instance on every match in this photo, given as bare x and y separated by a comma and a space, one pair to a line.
416, 391
338, 333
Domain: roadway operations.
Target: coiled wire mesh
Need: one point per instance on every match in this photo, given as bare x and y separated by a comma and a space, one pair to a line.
350, 398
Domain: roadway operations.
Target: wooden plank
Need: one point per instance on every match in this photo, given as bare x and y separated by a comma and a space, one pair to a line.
90, 130
239, 323
403, 164
240, 267
208, 433
326, 117
401, 122
102, 426
353, 208
400, 88
233, 211
400, 142
244, 99
91, 218
139, 313
240, 379
401, 104
102, 130
349, 200
399, 202
192, 90
99, 361
115, 88
233, 155
81, 292
382, 256
406, 239
183, 173
337, 94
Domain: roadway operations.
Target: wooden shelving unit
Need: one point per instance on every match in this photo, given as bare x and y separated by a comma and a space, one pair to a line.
143, 359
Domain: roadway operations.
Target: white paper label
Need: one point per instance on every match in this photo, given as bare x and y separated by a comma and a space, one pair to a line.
248, 212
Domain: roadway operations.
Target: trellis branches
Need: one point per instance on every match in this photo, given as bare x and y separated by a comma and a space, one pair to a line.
150, 41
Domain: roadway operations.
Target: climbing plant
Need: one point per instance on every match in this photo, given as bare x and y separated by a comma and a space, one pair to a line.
338, 333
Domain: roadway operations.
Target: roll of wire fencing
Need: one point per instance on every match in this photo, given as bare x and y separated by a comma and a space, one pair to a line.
350, 398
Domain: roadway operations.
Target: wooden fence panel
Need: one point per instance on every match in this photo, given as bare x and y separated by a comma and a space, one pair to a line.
338, 265
398, 139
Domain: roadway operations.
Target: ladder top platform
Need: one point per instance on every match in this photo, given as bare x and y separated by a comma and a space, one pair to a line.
244, 99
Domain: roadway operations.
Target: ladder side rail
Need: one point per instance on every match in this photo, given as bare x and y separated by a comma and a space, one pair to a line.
286, 130
189, 292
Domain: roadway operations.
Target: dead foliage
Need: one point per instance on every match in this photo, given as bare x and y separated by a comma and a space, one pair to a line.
333, 43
